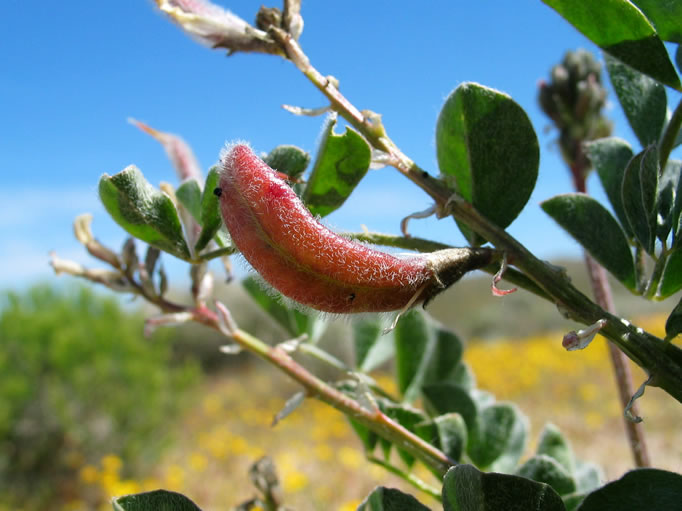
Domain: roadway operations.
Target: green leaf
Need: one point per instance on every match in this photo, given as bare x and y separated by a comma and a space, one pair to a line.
467, 489
409, 418
371, 347
189, 195
158, 500
642, 98
209, 216
390, 499
610, 156
671, 176
464, 376
665, 16
515, 444
425, 352
596, 230
671, 279
673, 325
447, 397
412, 352
553, 443
367, 436
288, 159
452, 434
640, 183
545, 469
588, 476
619, 28
668, 185
493, 436
445, 357
573, 500
143, 211
644, 488
486, 144
342, 161
294, 322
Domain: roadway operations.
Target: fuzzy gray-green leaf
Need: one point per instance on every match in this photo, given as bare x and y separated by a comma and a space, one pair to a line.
467, 489
642, 98
158, 500
143, 211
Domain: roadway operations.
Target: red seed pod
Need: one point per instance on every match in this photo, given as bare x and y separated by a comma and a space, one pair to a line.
311, 264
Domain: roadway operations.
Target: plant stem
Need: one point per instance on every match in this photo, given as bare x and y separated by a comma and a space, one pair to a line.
406, 476
621, 367
661, 360
375, 420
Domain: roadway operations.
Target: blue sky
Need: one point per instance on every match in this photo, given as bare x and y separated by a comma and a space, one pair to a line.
73, 72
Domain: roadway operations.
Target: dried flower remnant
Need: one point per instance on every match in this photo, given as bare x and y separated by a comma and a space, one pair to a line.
314, 266
216, 27
178, 151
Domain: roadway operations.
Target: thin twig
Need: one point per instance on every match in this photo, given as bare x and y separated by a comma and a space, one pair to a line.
406, 476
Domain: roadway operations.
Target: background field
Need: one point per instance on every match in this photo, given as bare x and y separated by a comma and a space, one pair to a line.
222, 408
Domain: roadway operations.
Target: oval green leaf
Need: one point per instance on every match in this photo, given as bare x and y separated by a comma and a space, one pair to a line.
498, 433
342, 161
597, 231
671, 279
467, 489
143, 211
673, 325
487, 148
390, 499
638, 191
452, 434
642, 98
158, 500
621, 29
288, 159
189, 195
644, 488
665, 16
553, 443
545, 469
209, 215
610, 156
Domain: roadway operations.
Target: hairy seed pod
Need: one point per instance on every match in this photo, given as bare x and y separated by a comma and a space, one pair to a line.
309, 263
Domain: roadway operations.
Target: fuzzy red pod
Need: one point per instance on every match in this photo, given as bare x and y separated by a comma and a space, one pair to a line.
314, 266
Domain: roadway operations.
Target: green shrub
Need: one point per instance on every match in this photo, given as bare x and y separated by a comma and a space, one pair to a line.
79, 381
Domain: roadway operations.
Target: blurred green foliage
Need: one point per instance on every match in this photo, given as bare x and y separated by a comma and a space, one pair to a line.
79, 380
